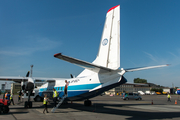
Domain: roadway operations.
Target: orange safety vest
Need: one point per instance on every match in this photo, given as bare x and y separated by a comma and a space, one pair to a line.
6, 95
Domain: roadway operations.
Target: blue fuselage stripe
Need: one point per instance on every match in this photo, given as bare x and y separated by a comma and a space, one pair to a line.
72, 90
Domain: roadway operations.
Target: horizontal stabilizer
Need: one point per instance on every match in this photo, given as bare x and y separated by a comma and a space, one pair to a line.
144, 68
84, 64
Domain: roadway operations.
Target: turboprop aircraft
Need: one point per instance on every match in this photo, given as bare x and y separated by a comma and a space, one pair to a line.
103, 73
100, 75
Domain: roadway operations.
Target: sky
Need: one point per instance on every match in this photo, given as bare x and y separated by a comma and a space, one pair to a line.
32, 31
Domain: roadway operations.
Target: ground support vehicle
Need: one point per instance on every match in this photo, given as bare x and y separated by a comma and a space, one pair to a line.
4, 106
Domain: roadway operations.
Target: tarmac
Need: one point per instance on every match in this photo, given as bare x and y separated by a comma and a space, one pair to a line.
151, 107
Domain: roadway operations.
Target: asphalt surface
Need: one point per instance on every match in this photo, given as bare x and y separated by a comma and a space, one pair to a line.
151, 107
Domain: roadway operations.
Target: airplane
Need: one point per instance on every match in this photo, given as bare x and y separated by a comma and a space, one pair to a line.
97, 77
103, 73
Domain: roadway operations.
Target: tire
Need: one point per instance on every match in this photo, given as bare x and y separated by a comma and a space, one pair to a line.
38, 99
87, 103
26, 104
0, 109
127, 98
5, 109
30, 104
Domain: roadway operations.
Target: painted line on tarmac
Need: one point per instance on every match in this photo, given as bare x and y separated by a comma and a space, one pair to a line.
157, 108
14, 117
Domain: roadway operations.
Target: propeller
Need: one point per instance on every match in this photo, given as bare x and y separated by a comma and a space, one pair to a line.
27, 75
22, 84
71, 76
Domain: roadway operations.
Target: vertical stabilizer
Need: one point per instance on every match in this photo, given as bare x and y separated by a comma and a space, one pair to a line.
109, 49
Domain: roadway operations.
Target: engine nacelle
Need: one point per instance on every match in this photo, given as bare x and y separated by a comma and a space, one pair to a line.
28, 85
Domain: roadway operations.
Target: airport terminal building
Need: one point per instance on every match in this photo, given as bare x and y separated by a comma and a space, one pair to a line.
5, 85
128, 87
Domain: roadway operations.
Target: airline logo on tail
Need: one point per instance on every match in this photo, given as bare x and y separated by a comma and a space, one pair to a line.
105, 42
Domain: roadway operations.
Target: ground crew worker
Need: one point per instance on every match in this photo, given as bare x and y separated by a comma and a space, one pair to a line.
11, 98
6, 95
45, 101
169, 97
55, 95
65, 88
19, 97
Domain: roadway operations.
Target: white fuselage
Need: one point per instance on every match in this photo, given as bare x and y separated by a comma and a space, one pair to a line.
83, 87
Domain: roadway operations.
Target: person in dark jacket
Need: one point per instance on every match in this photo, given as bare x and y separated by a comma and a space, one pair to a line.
8, 96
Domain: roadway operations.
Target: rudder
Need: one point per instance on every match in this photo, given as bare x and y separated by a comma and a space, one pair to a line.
109, 49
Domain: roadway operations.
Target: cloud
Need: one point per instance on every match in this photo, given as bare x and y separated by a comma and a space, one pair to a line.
13, 53
174, 59
171, 58
29, 46
173, 54
151, 56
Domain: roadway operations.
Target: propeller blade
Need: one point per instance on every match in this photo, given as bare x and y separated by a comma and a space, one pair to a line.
71, 75
27, 75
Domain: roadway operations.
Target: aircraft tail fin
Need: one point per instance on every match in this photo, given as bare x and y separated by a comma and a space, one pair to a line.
108, 58
109, 49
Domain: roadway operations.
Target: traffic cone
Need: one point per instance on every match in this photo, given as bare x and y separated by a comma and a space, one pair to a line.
152, 102
175, 101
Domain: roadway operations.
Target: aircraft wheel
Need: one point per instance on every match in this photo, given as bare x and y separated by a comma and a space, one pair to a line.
87, 103
38, 99
5, 109
30, 104
0, 109
26, 104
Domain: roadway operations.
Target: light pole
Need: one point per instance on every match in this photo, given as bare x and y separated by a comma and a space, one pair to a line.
31, 70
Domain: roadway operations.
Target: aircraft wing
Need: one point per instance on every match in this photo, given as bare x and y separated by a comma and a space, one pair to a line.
84, 64
12, 78
19, 79
144, 68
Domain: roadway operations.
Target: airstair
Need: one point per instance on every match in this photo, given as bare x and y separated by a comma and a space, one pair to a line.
60, 102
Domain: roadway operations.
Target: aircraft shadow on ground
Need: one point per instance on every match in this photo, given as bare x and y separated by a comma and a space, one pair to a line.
133, 115
108, 109
13, 113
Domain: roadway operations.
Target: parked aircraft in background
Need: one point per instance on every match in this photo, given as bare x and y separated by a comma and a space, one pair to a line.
99, 76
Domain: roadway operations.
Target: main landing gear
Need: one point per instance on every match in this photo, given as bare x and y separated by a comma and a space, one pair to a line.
29, 87
87, 103
28, 104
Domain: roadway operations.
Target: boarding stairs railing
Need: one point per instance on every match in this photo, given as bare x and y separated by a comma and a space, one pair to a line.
60, 102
